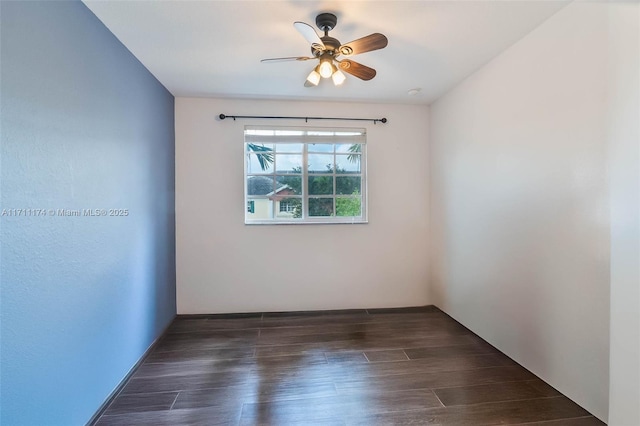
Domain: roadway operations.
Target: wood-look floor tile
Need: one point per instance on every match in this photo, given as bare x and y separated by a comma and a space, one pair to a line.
291, 361
200, 354
258, 392
142, 402
449, 351
214, 365
493, 392
358, 342
355, 345
200, 325
306, 314
187, 325
421, 366
418, 328
338, 357
214, 339
544, 388
189, 382
363, 336
230, 316
437, 380
231, 396
386, 355
401, 418
266, 340
509, 412
191, 367
354, 405
209, 366
408, 310
346, 371
360, 368
310, 330
227, 336
308, 348
279, 382
433, 326
314, 320
210, 416
581, 421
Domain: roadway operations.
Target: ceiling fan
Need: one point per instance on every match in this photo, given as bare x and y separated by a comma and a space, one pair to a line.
327, 49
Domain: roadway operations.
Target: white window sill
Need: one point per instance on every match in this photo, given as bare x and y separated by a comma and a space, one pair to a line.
307, 222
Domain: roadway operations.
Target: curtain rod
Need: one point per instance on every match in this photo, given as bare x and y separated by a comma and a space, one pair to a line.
306, 119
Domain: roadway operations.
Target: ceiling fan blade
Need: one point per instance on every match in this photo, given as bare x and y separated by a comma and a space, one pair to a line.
288, 58
363, 72
309, 34
371, 42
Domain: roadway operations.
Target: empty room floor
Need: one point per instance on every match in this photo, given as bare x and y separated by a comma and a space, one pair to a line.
359, 367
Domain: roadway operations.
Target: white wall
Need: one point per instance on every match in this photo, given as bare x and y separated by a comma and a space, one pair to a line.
226, 266
624, 179
520, 226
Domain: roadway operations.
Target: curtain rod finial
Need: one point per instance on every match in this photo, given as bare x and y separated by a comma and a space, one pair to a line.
222, 116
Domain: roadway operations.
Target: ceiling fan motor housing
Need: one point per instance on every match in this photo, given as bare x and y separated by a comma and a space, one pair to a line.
331, 46
326, 21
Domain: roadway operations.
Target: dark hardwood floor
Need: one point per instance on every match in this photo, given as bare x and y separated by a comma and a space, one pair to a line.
363, 367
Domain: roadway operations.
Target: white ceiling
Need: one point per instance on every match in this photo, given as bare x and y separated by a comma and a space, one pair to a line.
213, 48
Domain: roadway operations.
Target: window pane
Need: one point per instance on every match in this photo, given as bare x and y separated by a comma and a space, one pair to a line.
348, 185
320, 147
320, 185
289, 147
289, 185
288, 163
259, 209
320, 163
260, 185
260, 163
348, 148
320, 206
348, 206
289, 208
348, 163
259, 147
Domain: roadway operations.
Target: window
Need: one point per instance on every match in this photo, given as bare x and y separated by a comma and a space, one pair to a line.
305, 175
287, 206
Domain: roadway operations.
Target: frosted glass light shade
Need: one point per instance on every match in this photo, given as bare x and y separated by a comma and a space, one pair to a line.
338, 77
314, 77
325, 68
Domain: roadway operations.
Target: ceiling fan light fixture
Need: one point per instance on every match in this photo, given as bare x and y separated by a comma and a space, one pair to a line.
338, 78
314, 77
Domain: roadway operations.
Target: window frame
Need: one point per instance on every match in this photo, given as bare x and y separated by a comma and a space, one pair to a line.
304, 195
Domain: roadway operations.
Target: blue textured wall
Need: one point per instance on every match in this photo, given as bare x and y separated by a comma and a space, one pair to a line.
84, 126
